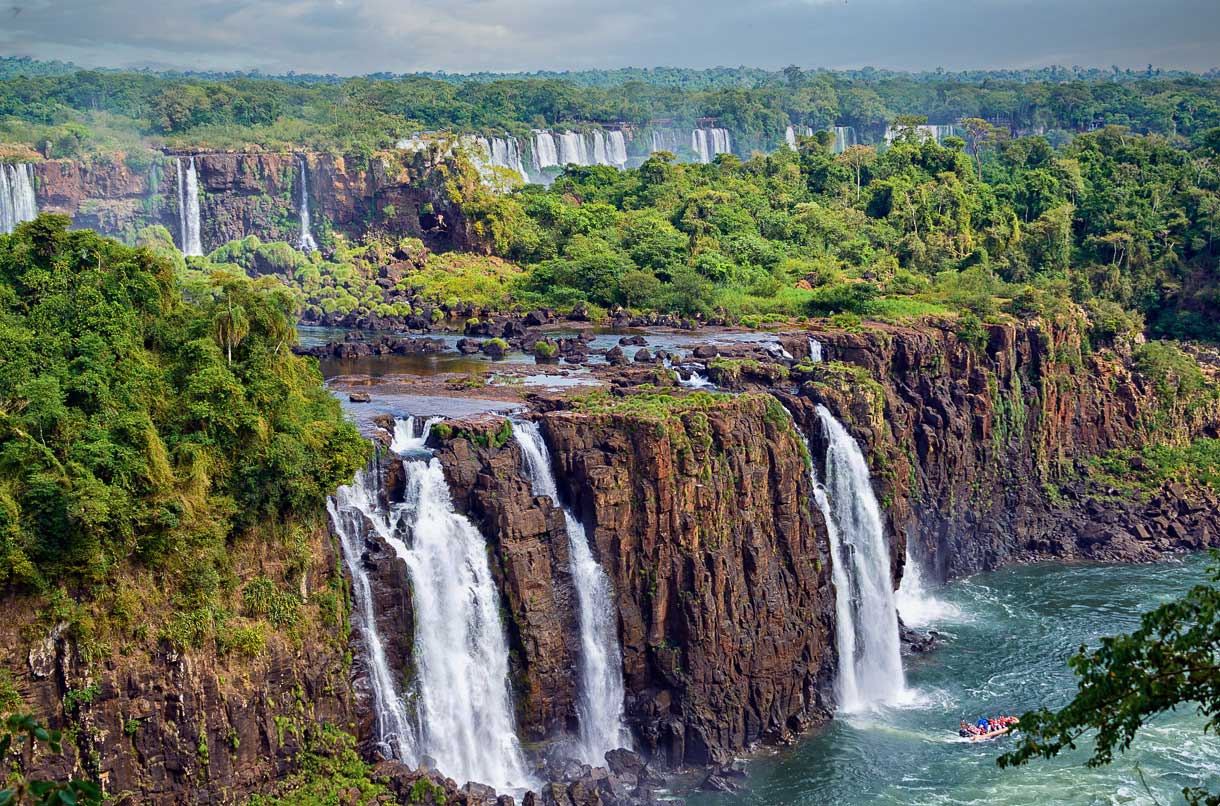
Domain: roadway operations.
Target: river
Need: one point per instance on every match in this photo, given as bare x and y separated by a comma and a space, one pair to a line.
1007, 645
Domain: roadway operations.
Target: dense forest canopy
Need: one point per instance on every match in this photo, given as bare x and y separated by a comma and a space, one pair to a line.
67, 112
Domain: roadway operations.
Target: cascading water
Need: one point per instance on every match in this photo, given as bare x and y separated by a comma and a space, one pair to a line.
461, 654
17, 202
352, 509
845, 138
870, 664
936, 132
188, 209
815, 350
707, 143
616, 148
465, 714
546, 152
793, 132
305, 242
600, 708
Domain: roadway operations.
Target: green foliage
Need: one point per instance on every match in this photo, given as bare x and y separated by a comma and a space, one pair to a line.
1169, 662
1174, 375
19, 729
150, 425
330, 772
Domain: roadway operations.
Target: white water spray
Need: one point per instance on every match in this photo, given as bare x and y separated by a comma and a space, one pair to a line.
815, 350
17, 202
305, 242
916, 604
870, 663
600, 708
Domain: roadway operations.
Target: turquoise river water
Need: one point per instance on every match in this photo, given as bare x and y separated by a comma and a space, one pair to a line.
1009, 635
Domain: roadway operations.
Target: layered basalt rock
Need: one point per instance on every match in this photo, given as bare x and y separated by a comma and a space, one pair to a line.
980, 452
248, 193
154, 725
720, 567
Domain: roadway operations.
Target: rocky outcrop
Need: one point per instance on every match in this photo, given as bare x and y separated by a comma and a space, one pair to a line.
701, 515
245, 194
980, 452
157, 725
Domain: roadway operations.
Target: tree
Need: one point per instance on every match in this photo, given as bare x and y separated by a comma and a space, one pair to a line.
858, 158
1173, 659
979, 135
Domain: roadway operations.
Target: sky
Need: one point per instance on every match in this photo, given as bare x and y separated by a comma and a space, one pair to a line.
352, 37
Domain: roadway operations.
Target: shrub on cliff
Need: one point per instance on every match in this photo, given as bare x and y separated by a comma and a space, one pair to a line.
142, 423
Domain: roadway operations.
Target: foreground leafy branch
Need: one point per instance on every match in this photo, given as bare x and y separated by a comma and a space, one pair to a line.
1173, 659
19, 729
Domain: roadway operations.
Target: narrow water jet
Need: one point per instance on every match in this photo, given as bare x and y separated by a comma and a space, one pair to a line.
870, 663
600, 706
17, 202
305, 242
190, 241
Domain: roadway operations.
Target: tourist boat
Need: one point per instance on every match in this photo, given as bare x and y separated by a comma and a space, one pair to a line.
982, 737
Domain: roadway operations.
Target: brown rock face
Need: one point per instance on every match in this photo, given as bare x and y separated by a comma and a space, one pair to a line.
156, 726
256, 194
720, 567
976, 451
532, 566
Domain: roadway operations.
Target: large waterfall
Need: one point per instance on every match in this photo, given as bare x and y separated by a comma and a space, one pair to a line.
870, 664
600, 708
707, 143
793, 132
188, 209
353, 508
502, 152
305, 242
928, 131
465, 712
17, 201
845, 138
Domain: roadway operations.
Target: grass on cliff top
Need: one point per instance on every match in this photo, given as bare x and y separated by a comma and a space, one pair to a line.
453, 277
648, 405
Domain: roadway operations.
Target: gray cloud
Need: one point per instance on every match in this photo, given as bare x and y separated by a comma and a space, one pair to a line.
361, 36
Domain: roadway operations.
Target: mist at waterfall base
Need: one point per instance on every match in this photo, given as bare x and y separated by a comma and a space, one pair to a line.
1006, 651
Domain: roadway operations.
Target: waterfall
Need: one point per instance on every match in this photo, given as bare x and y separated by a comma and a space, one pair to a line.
845, 138
927, 131
600, 708
815, 350
188, 209
870, 666
665, 140
465, 713
707, 143
599, 148
793, 132
616, 146
546, 153
461, 654
305, 243
351, 508
17, 202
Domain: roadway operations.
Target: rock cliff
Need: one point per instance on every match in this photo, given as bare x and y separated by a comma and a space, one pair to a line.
245, 194
980, 451
155, 724
700, 514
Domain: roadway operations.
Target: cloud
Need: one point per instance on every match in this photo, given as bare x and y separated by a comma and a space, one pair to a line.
361, 36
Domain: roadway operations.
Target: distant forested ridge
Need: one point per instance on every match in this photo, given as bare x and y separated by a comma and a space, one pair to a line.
65, 112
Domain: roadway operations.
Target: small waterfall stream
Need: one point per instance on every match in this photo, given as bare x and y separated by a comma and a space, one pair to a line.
870, 664
190, 241
600, 708
352, 509
815, 351
305, 242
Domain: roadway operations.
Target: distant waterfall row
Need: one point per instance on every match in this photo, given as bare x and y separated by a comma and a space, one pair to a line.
462, 712
927, 131
596, 147
189, 239
17, 202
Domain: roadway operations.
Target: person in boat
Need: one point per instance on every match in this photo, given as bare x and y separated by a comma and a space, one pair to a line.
981, 725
